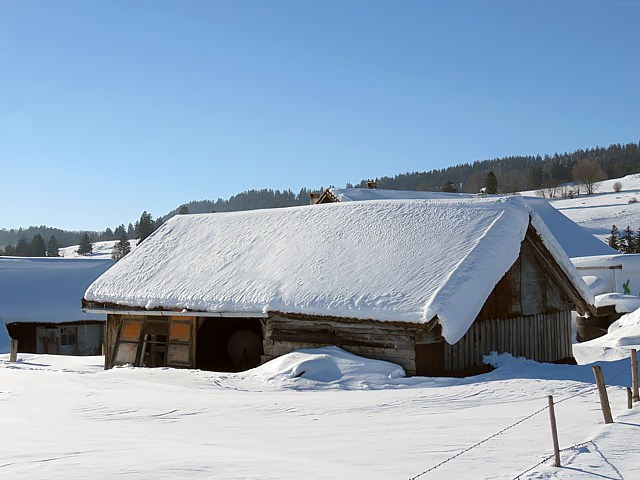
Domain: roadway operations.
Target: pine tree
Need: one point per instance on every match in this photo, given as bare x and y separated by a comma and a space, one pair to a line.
52, 247
23, 249
145, 226
491, 183
627, 240
85, 247
38, 248
534, 176
183, 210
449, 187
119, 231
614, 238
121, 248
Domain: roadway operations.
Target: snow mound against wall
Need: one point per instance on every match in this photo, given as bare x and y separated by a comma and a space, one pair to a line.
623, 334
329, 365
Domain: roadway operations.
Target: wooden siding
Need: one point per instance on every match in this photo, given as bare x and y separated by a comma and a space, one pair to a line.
526, 289
391, 341
541, 337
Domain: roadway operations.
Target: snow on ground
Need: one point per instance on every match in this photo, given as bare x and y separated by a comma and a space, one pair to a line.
325, 413
316, 414
622, 335
599, 211
100, 250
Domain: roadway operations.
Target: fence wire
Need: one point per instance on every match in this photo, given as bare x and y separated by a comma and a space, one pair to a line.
546, 459
509, 427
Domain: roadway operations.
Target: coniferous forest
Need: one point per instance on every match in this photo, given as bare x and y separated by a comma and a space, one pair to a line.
515, 173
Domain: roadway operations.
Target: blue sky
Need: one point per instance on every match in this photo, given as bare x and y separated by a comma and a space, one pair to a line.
111, 108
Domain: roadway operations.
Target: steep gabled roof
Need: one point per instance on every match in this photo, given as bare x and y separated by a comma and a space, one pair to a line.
47, 290
399, 260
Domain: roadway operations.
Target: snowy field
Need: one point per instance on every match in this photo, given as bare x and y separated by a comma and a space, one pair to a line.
326, 414
599, 211
320, 414
100, 250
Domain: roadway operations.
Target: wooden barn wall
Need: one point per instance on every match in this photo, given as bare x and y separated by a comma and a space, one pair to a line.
525, 290
544, 337
110, 335
394, 342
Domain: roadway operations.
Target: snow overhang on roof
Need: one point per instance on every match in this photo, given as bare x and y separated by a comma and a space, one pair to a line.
397, 260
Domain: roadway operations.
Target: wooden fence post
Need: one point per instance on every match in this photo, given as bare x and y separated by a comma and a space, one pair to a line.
13, 356
629, 398
554, 432
634, 374
604, 398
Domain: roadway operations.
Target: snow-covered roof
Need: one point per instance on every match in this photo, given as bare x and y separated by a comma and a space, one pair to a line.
629, 262
575, 240
397, 260
622, 303
46, 290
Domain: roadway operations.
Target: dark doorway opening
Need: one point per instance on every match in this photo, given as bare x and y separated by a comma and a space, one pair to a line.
229, 344
26, 336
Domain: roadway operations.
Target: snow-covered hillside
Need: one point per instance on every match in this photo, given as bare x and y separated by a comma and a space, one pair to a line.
100, 250
599, 211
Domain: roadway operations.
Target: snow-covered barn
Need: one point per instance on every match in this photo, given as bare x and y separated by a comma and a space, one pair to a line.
432, 285
40, 304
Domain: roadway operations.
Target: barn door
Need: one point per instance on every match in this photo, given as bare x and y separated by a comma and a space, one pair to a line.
156, 342
128, 340
181, 343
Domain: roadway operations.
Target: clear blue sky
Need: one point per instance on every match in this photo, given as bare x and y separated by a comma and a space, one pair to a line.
109, 108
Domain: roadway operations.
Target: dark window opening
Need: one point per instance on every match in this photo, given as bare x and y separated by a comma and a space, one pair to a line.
69, 337
229, 344
154, 343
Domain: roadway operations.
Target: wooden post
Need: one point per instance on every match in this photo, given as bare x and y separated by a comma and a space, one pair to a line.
554, 432
13, 356
629, 399
634, 374
604, 398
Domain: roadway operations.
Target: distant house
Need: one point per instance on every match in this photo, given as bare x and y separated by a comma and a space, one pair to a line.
41, 308
432, 285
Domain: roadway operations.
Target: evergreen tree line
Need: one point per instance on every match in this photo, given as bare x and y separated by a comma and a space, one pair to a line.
626, 241
35, 246
519, 173
508, 174
249, 200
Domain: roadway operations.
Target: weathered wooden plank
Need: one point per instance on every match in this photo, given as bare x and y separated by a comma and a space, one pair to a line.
344, 338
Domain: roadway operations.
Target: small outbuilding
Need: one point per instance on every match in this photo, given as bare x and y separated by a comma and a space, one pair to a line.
40, 304
432, 285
